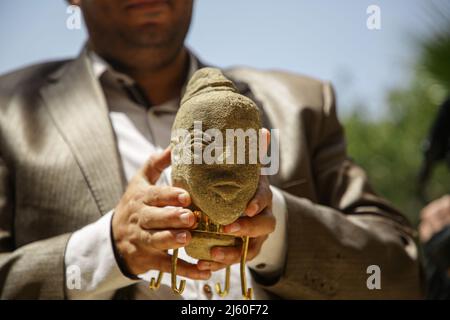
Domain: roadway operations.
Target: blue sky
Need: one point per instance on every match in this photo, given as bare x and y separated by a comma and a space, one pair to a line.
321, 38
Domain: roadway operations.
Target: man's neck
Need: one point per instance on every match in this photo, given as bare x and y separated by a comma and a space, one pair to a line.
165, 83
160, 84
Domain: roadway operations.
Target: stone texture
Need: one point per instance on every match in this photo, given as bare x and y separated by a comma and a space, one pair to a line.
221, 191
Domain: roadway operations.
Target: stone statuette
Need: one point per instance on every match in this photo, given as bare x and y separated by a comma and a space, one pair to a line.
220, 172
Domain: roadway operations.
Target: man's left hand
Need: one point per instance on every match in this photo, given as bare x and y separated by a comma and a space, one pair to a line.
434, 218
257, 224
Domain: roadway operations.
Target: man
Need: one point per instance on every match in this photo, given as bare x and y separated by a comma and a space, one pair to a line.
73, 132
434, 231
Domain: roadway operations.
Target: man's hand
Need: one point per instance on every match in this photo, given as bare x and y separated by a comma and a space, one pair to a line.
434, 218
151, 219
258, 224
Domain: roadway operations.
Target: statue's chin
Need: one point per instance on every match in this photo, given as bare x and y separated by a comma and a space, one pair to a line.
222, 212
222, 208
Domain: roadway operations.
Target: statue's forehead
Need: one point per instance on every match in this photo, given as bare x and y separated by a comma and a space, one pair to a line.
228, 113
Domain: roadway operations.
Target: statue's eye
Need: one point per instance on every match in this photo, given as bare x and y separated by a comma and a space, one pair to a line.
181, 146
202, 141
198, 142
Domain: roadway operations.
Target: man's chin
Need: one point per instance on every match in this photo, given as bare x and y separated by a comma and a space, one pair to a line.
149, 35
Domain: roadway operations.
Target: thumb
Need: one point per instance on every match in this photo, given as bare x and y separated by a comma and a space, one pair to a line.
156, 164
265, 136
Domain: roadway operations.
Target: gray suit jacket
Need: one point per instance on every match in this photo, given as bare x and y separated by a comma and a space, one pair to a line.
60, 170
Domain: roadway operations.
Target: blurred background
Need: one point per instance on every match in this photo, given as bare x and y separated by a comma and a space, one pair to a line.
389, 81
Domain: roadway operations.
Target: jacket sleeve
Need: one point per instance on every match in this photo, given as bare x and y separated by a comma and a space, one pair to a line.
34, 271
338, 246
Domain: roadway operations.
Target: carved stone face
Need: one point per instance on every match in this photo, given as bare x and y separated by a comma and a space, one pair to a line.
221, 190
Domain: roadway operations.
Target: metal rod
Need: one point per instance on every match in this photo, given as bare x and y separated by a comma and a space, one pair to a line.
227, 284
246, 293
155, 284
175, 288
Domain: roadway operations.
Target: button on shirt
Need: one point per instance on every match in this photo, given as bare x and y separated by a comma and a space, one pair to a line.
141, 132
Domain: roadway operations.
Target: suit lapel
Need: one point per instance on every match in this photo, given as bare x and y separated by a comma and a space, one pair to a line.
77, 105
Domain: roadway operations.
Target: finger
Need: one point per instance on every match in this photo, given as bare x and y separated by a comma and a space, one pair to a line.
442, 216
156, 164
165, 239
442, 204
262, 198
210, 265
166, 218
226, 255
265, 136
260, 225
254, 247
425, 231
184, 269
434, 221
429, 210
445, 218
161, 196
232, 255
446, 202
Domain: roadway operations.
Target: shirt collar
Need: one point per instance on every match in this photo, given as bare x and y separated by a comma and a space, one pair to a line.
100, 66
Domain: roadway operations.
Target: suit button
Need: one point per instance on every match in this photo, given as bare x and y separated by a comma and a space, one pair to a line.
208, 291
261, 266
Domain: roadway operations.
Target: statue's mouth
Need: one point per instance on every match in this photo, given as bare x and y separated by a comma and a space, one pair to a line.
227, 190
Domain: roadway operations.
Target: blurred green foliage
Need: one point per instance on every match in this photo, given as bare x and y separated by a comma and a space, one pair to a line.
390, 149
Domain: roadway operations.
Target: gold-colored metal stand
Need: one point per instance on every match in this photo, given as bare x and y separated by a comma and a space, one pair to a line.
210, 227
246, 293
175, 288
155, 284
227, 284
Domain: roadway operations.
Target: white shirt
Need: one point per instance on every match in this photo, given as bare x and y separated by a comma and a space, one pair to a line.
141, 133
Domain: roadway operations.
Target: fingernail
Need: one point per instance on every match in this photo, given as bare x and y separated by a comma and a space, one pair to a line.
185, 218
219, 255
205, 275
204, 265
235, 227
253, 209
183, 198
181, 237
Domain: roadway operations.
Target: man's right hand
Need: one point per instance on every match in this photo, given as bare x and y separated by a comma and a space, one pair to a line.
150, 219
434, 218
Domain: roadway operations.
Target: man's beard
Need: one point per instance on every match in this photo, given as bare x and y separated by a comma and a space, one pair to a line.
151, 49
159, 45
152, 37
